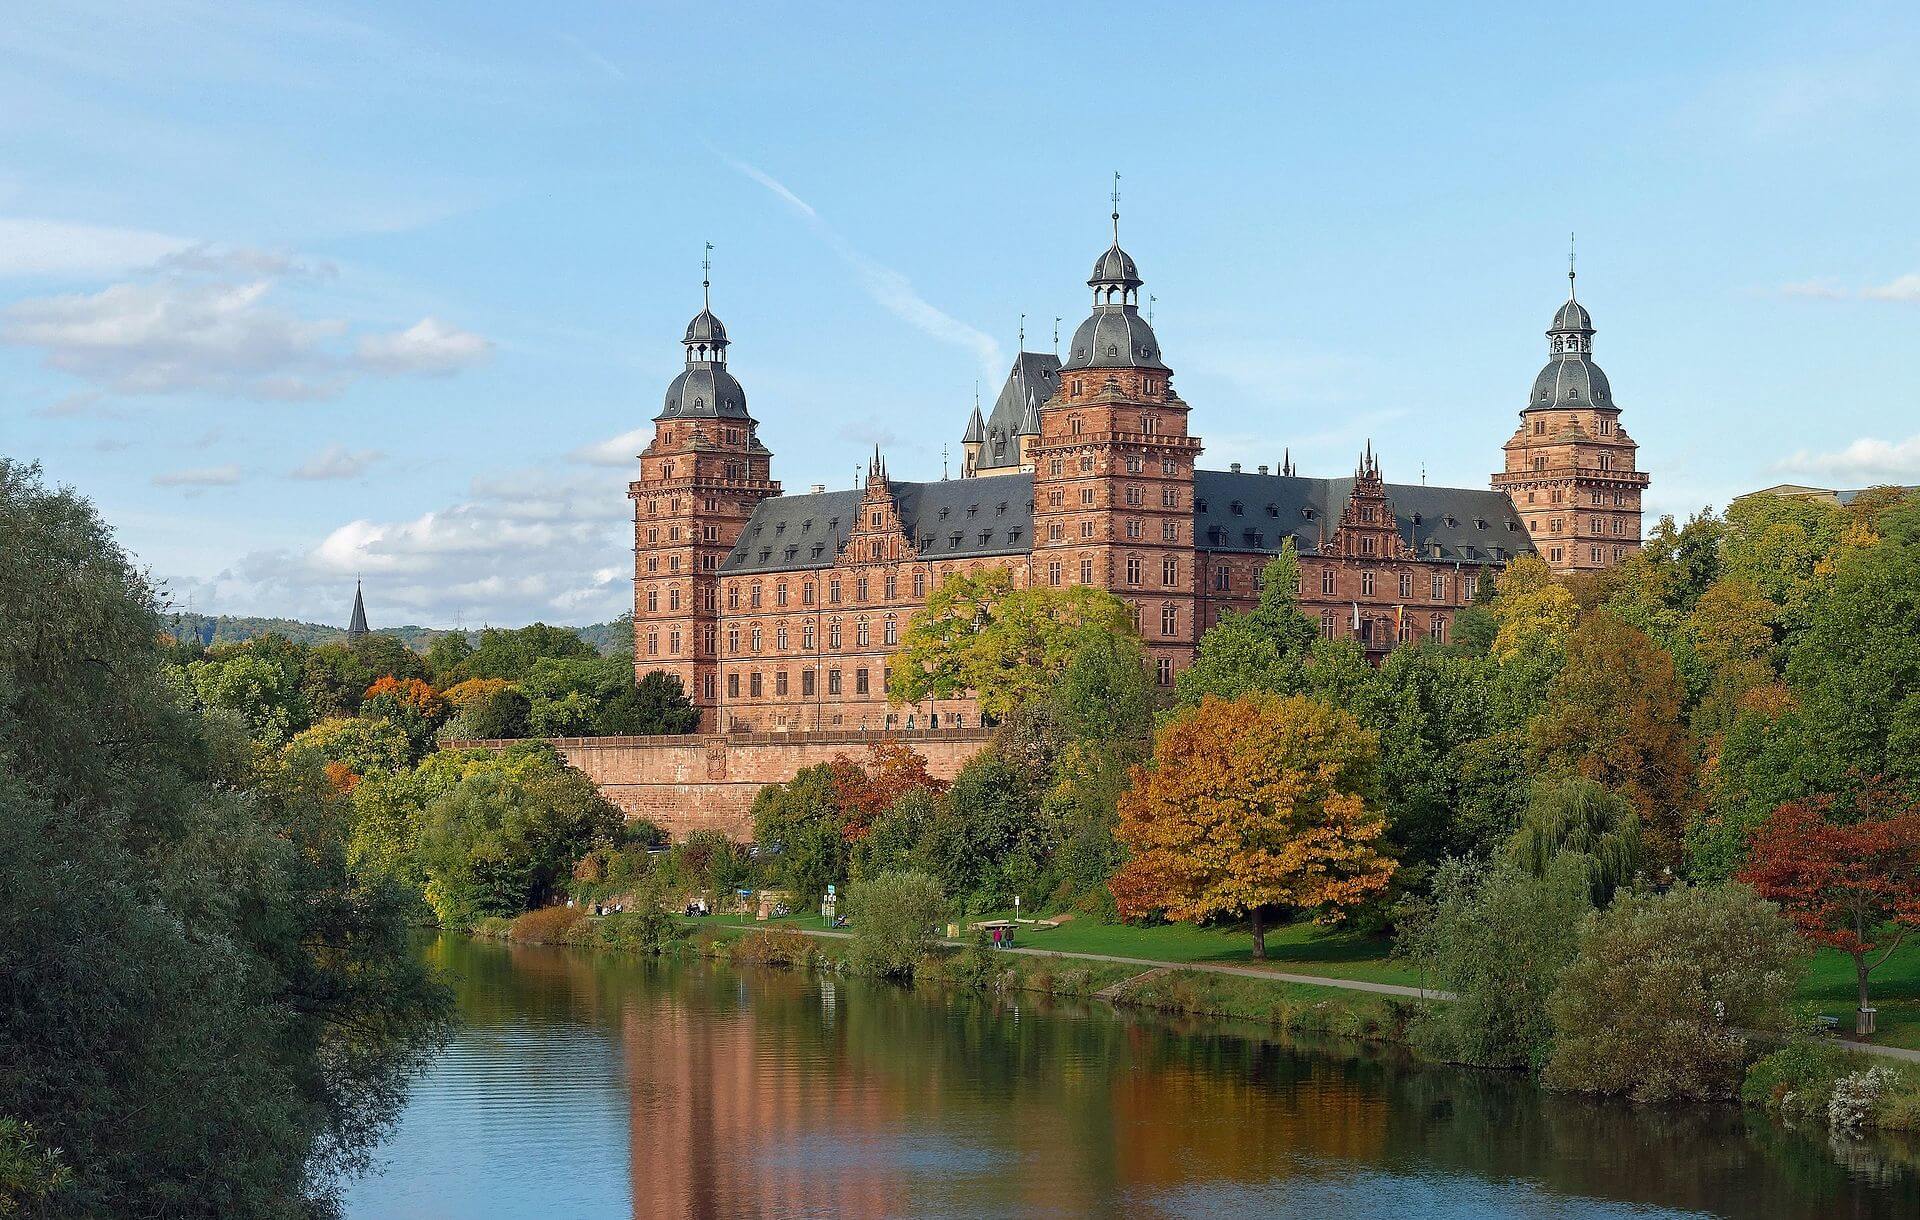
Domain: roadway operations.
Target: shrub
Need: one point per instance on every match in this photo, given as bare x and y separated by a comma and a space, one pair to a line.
787, 947
645, 929
1796, 1080
547, 926
493, 927
1665, 991
1856, 1097
895, 922
30, 1172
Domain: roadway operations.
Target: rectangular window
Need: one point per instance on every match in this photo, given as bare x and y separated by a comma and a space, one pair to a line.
780, 683
1326, 583
1163, 672
1406, 584
919, 584
833, 681
753, 685
707, 687
1439, 587
806, 683
733, 686
1170, 572
859, 681
1133, 570
1169, 620
1053, 572
1366, 584
1086, 571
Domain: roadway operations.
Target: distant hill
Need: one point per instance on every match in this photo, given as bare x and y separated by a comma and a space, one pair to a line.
232, 628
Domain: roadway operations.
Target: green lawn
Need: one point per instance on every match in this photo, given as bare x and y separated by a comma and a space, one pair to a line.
1301, 948
1895, 988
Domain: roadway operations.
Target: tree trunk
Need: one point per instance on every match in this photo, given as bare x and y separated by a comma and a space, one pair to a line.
1260, 939
1860, 969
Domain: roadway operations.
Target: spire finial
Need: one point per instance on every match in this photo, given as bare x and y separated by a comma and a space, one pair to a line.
706, 278
1023, 335
943, 453
1150, 300
1116, 207
1570, 293
1056, 338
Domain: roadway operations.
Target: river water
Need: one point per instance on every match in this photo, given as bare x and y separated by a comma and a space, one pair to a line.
593, 1085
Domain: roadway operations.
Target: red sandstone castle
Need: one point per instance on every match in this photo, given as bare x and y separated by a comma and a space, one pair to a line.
781, 612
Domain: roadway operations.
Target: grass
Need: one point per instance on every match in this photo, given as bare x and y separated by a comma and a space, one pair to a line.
1829, 985
1300, 948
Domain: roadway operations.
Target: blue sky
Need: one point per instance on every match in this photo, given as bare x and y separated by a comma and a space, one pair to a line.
298, 292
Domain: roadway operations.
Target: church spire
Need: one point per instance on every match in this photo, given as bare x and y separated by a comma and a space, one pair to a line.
357, 625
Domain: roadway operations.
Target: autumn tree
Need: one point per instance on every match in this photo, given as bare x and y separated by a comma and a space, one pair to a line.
414, 707
1852, 886
1252, 807
866, 791
1613, 714
1007, 646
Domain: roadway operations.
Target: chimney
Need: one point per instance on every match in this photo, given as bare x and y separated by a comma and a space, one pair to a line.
817, 489
1263, 469
1235, 468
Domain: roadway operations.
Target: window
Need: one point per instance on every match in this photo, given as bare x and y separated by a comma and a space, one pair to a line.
1163, 671
653, 643
1133, 494
1366, 584
919, 584
860, 589
859, 681
753, 597
733, 686
806, 683
1073, 427
1056, 467
833, 635
1169, 620
1086, 464
780, 637
780, 594
1056, 498
673, 599
780, 682
1133, 569
1053, 572
707, 688
1596, 554
1470, 587
653, 601
806, 637
806, 594
733, 598
874, 520
1438, 628
755, 638
1086, 571
1326, 583
1086, 495
891, 634
733, 640
1439, 586
833, 681
1086, 529
1133, 527
1170, 572
1223, 579
833, 591
1056, 531
1169, 497
893, 587
1406, 584
1170, 531
1326, 624
1555, 554
862, 636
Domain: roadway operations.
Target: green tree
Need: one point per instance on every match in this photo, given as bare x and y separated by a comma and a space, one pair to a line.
655, 704
258, 681
896, 921
1666, 994
985, 842
447, 658
797, 827
364, 746
511, 654
1262, 650
1572, 818
199, 1007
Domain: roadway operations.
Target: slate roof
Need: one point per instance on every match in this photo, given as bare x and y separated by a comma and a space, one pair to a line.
1464, 524
357, 625
949, 519
1571, 379
1032, 380
1114, 337
970, 518
704, 390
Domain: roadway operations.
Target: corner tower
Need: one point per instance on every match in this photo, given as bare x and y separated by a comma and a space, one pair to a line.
699, 480
1571, 467
1113, 469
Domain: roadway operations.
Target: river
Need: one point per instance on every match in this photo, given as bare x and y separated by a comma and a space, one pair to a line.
592, 1085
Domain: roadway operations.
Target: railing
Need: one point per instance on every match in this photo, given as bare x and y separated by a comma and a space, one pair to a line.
760, 738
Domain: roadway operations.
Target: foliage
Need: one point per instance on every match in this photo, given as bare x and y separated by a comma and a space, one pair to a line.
259, 681
785, 947
895, 922
1008, 646
1497, 938
1857, 1095
1797, 1080
512, 653
411, 706
1614, 715
655, 704
554, 925
865, 792
1573, 818
1252, 807
1263, 650
710, 862
198, 1005
986, 842
1853, 886
486, 709
363, 746
1667, 992
30, 1173
500, 843
797, 827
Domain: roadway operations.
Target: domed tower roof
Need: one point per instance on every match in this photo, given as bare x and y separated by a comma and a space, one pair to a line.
1115, 336
1570, 378
705, 389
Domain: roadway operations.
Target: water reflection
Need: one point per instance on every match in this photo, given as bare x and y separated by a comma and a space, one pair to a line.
594, 1085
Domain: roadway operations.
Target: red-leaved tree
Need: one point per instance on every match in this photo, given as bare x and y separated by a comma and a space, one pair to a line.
863, 793
1853, 886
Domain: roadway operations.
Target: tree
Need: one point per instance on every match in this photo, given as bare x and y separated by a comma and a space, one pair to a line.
364, 746
1572, 818
498, 845
1614, 715
655, 704
199, 1007
797, 827
259, 681
486, 709
986, 842
864, 792
1261, 650
511, 654
1852, 886
1008, 646
447, 656
1252, 807
896, 918
1497, 937
1667, 992
411, 705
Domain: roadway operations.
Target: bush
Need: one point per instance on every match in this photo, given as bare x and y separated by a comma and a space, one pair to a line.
1797, 1080
787, 947
547, 926
1856, 1098
895, 924
645, 929
1665, 991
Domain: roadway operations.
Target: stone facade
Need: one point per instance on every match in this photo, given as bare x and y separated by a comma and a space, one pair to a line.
780, 613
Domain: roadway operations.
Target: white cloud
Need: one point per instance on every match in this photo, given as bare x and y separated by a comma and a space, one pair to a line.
205, 476
1867, 460
78, 405
35, 247
170, 335
429, 346
891, 290
1904, 288
1826, 289
533, 545
337, 462
208, 259
618, 450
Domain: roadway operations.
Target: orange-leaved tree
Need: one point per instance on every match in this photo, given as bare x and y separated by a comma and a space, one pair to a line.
1853, 885
1252, 807
863, 793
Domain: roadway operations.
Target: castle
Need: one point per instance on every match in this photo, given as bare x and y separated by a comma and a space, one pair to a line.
780, 612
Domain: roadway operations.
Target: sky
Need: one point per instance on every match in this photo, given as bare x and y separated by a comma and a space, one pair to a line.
303, 293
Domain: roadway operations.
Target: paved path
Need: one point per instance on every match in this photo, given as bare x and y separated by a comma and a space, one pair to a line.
1252, 972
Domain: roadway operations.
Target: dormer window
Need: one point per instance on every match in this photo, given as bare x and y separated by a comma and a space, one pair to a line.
1306, 512
1479, 524
1415, 518
1237, 509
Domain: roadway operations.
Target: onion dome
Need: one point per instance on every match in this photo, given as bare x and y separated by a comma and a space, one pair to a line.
1570, 378
705, 389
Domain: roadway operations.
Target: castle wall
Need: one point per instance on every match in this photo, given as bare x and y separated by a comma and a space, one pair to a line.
708, 781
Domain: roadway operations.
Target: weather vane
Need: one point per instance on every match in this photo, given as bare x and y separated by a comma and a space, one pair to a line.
706, 278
